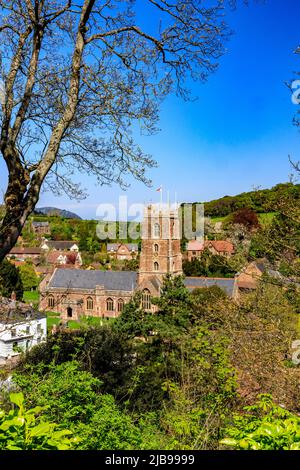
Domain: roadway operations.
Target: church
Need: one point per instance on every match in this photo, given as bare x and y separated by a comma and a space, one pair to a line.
76, 292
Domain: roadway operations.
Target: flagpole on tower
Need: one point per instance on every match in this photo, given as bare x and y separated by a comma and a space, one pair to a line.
160, 189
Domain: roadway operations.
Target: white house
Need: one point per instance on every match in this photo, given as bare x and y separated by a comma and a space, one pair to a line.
21, 328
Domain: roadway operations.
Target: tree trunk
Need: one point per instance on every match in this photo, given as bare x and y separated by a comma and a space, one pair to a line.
15, 207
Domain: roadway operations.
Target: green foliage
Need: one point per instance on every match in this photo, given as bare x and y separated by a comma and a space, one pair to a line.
279, 241
109, 428
73, 397
22, 429
10, 280
264, 426
31, 296
262, 200
28, 276
167, 380
131, 265
209, 265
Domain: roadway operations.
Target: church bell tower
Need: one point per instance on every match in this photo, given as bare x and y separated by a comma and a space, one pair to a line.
160, 253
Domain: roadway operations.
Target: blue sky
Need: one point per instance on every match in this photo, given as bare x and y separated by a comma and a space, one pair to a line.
238, 133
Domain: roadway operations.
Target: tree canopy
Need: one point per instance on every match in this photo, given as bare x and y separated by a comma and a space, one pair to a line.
78, 76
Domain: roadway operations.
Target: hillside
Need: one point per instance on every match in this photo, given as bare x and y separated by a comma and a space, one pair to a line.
261, 200
54, 211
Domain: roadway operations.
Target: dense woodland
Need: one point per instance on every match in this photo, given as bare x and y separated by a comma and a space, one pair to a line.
260, 200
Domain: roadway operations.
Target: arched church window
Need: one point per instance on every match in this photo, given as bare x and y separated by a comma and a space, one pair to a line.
110, 305
146, 300
156, 266
89, 303
156, 230
51, 301
156, 248
120, 305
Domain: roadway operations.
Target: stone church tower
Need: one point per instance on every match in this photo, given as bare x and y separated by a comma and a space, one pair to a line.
160, 253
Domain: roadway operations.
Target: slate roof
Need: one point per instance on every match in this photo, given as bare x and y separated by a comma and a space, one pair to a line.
226, 284
60, 245
84, 279
40, 224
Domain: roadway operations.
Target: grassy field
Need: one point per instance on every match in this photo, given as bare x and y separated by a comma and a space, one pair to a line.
54, 319
264, 218
31, 296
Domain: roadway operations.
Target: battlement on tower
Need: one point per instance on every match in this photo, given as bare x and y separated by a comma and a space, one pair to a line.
161, 221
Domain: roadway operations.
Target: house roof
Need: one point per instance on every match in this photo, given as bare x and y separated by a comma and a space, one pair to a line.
60, 244
40, 224
219, 245
116, 246
247, 284
84, 279
226, 284
12, 311
25, 251
195, 245
55, 257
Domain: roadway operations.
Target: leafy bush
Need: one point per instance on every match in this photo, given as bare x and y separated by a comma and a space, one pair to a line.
22, 429
264, 426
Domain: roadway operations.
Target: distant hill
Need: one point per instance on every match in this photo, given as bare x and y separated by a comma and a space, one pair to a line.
261, 200
50, 211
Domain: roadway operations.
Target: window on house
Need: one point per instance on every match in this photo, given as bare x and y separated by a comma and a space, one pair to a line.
156, 266
156, 248
15, 346
28, 330
69, 312
157, 230
13, 333
89, 303
51, 301
39, 328
27, 344
146, 300
110, 305
120, 305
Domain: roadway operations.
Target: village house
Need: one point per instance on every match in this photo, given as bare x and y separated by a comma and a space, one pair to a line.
22, 254
40, 228
59, 245
21, 328
251, 274
66, 258
195, 248
122, 251
77, 292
